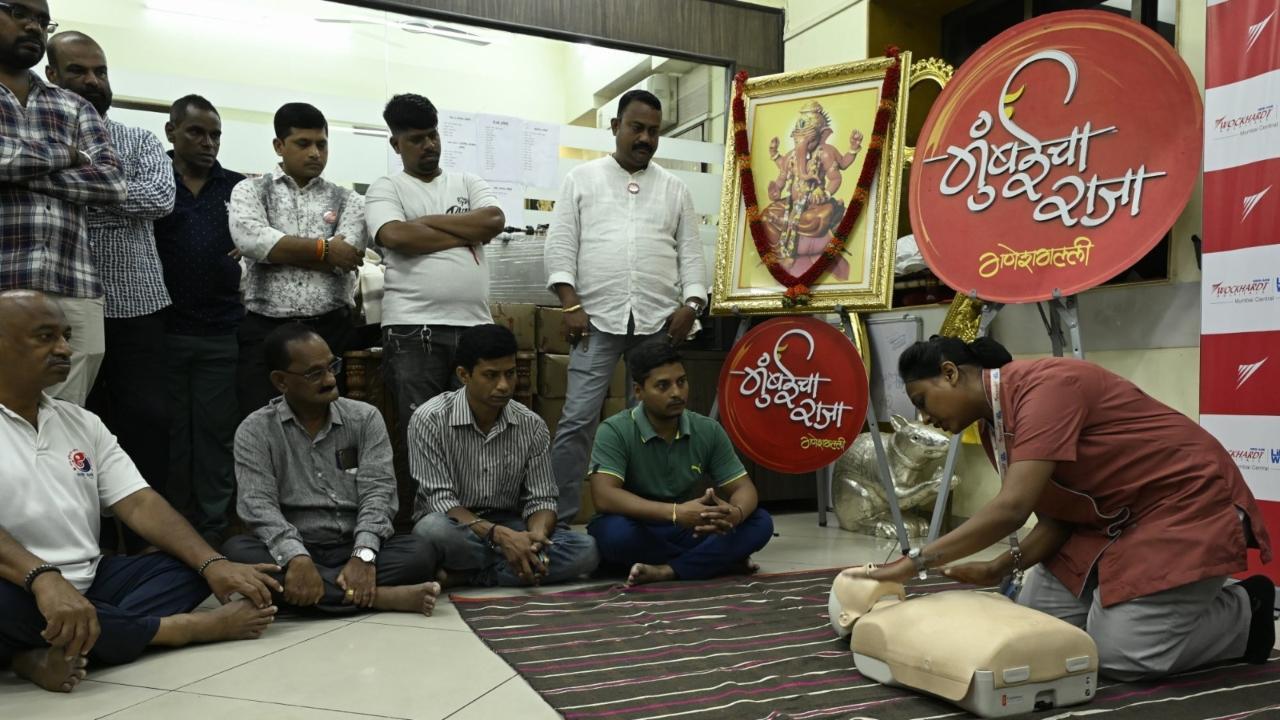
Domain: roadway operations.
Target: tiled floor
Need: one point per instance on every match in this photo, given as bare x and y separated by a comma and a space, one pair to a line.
377, 665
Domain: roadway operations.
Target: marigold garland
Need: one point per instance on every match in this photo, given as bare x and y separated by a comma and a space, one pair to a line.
798, 292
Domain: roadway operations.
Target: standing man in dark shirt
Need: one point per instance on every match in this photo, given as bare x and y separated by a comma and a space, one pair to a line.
203, 278
122, 244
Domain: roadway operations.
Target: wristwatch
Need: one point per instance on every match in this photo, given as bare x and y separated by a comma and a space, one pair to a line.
695, 306
918, 561
365, 554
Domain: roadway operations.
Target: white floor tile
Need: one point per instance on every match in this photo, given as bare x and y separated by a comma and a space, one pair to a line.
21, 699
512, 699
167, 669
370, 668
203, 707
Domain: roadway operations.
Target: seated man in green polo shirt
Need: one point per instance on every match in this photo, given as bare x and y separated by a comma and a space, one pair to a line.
649, 468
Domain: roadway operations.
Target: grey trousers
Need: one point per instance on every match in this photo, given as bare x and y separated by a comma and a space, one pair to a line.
402, 560
591, 365
1155, 635
461, 551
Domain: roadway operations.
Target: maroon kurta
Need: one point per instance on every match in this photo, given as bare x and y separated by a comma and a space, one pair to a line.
1151, 495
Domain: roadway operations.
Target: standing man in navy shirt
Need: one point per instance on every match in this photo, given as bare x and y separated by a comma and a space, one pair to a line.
203, 277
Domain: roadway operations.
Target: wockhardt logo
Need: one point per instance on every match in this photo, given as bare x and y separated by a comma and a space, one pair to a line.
1248, 121
1258, 288
1255, 458
1247, 371
1251, 202
1255, 31
1247, 455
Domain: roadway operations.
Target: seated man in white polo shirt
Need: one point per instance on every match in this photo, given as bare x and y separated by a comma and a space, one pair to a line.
62, 604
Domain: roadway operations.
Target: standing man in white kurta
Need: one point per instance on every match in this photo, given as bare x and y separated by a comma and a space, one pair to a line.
624, 256
432, 226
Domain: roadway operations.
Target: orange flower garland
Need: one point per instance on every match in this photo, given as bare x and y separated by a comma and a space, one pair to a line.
798, 288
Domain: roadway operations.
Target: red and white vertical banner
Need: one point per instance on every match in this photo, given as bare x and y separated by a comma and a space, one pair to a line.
1240, 286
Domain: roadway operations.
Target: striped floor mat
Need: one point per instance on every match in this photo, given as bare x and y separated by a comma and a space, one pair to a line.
761, 647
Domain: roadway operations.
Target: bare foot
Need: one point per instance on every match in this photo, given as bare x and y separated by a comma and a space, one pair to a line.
642, 574
50, 669
408, 598
237, 620
746, 567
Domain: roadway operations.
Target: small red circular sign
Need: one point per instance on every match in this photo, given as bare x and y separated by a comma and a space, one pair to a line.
793, 394
1058, 156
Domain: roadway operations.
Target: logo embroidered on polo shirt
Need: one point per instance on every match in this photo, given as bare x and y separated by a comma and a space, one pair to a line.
80, 462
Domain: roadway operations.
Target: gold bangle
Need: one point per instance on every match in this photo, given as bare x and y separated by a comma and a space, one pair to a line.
575, 308
673, 513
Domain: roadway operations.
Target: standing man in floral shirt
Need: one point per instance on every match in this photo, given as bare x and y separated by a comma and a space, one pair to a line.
122, 243
303, 238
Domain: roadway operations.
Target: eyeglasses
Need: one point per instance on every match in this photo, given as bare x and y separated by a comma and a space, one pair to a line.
315, 377
22, 15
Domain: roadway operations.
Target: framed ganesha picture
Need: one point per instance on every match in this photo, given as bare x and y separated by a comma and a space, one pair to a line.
809, 205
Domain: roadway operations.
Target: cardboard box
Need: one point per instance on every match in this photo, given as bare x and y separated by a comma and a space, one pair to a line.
620, 384
550, 333
553, 376
549, 410
613, 406
521, 319
526, 372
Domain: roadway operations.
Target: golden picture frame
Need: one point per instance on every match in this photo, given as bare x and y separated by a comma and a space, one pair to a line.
831, 109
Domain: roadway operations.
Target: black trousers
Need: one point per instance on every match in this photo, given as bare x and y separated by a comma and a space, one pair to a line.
131, 398
253, 380
403, 560
131, 595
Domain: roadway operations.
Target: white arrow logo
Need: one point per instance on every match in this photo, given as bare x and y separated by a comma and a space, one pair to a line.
1252, 201
1255, 31
1247, 371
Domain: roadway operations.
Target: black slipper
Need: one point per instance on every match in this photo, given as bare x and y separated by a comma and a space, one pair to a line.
1262, 628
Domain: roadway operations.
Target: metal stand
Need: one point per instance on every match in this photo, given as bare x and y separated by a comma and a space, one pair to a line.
1062, 314
882, 458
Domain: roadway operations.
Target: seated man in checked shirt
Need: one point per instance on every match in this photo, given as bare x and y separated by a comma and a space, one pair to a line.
486, 493
318, 493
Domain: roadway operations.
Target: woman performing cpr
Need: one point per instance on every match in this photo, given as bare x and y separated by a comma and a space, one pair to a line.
1141, 513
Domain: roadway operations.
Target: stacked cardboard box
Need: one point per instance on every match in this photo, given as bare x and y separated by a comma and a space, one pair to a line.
522, 320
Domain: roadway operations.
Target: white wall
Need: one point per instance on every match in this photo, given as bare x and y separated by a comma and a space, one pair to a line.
824, 32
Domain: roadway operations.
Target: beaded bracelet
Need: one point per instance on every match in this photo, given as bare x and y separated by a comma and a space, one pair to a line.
209, 562
37, 571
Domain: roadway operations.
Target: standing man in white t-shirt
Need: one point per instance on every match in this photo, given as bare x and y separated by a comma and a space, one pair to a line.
432, 226
624, 257
62, 603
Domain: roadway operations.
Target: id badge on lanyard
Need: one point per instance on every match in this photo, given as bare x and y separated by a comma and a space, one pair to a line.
1012, 584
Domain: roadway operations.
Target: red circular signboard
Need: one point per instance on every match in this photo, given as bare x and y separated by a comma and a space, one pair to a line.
1058, 155
793, 394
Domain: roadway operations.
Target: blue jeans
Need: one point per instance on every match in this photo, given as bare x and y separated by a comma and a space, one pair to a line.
624, 541
130, 594
417, 365
591, 365
572, 554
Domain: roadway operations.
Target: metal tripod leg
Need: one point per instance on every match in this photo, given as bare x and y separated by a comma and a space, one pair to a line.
882, 459
989, 312
1066, 313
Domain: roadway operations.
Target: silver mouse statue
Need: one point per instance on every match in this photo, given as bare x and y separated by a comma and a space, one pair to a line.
916, 454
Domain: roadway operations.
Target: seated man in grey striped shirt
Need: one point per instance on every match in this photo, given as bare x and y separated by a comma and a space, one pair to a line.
486, 494
317, 490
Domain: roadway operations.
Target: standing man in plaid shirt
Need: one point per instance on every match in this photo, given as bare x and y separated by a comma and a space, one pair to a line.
55, 159
122, 243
